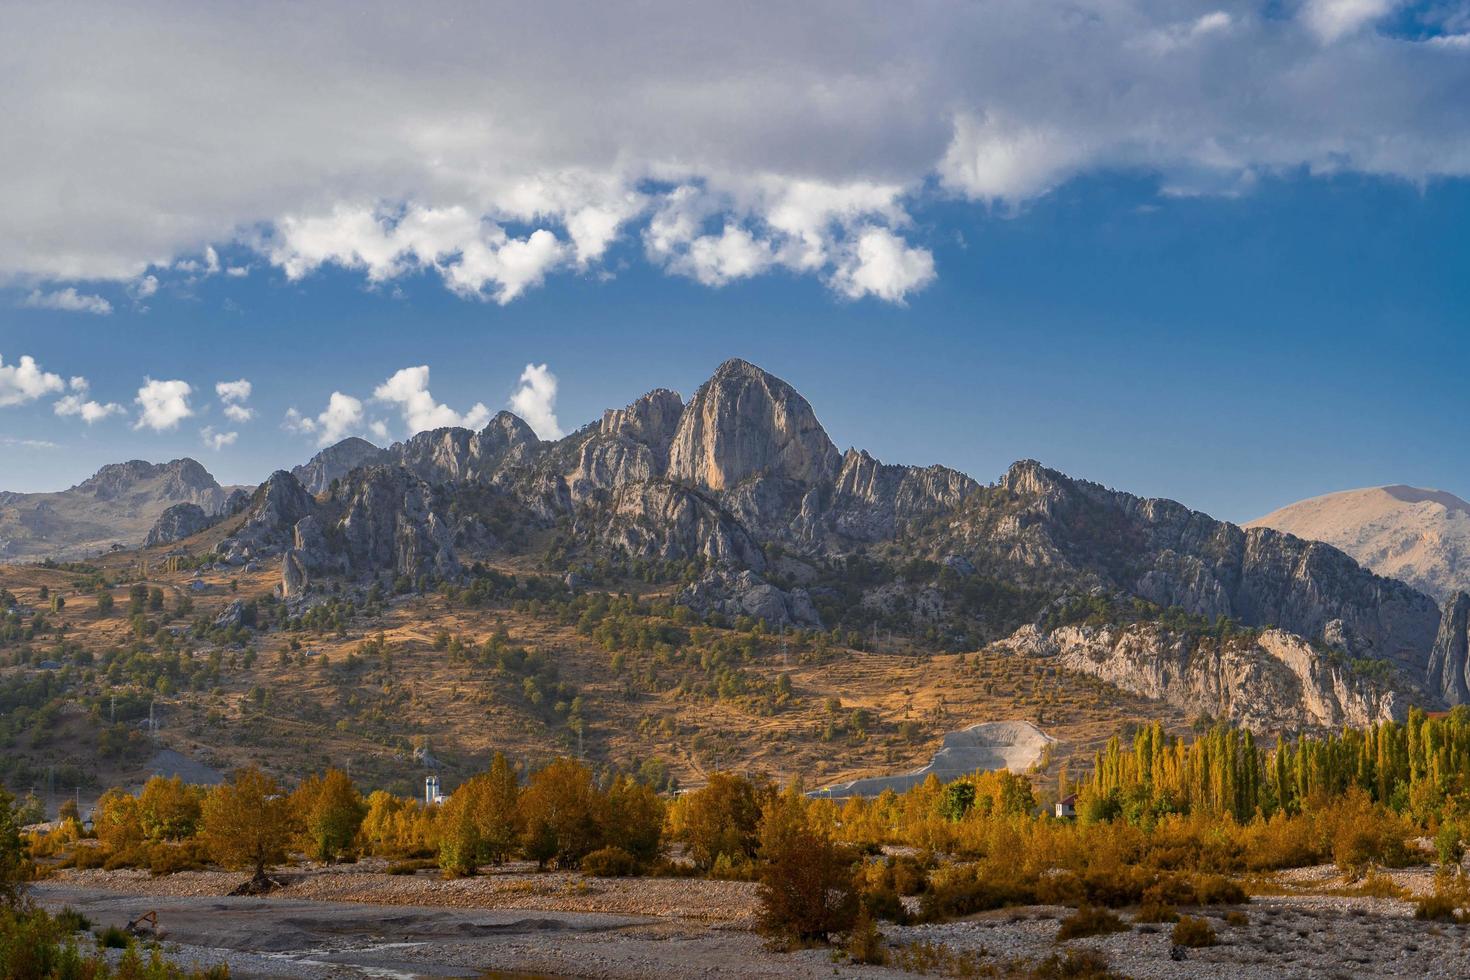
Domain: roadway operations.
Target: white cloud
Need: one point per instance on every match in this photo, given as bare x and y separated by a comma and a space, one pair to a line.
476, 258
535, 401
408, 388
68, 300
883, 265
343, 416
25, 381
78, 404
233, 395
163, 404
410, 147
19, 443
217, 440
1334, 19
145, 287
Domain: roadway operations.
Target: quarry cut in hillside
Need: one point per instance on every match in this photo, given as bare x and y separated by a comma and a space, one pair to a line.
1013, 745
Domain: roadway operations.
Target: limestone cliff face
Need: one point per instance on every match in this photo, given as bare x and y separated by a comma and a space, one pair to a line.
390, 522
744, 423
745, 466
1053, 530
670, 522
872, 499
631, 445
177, 523
278, 504
1449, 661
455, 455
1272, 683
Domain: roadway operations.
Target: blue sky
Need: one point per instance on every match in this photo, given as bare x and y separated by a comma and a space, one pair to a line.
1187, 295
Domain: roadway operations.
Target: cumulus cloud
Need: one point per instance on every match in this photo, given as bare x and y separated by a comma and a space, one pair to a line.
163, 404
25, 381
233, 395
68, 300
475, 257
411, 147
217, 440
882, 265
78, 404
535, 401
343, 416
408, 388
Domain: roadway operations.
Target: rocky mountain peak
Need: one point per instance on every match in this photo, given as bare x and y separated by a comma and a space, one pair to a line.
179, 479
505, 432
744, 423
335, 462
652, 419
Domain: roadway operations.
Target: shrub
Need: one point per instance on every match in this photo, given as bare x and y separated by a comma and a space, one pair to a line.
1193, 932
1449, 902
1153, 910
609, 862
1075, 964
1089, 921
113, 937
865, 942
70, 920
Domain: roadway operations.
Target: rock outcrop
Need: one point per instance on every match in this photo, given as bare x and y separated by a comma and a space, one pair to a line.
178, 522
1048, 529
335, 462
744, 423
1449, 661
1272, 682
735, 594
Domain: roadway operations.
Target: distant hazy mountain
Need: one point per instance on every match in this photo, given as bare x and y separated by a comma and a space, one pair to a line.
1421, 537
118, 505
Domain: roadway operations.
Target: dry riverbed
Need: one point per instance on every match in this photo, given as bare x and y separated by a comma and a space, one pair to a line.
356, 921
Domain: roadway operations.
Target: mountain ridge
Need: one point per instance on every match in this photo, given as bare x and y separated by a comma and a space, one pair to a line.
1417, 535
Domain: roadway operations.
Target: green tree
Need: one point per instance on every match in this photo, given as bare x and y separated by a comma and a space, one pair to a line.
15, 865
104, 604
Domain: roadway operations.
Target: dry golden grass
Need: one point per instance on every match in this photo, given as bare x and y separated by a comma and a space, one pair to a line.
314, 717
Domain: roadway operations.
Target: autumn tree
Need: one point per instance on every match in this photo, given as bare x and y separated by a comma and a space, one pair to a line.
481, 821
806, 880
168, 809
635, 819
562, 814
393, 825
330, 810
722, 819
116, 822
248, 822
